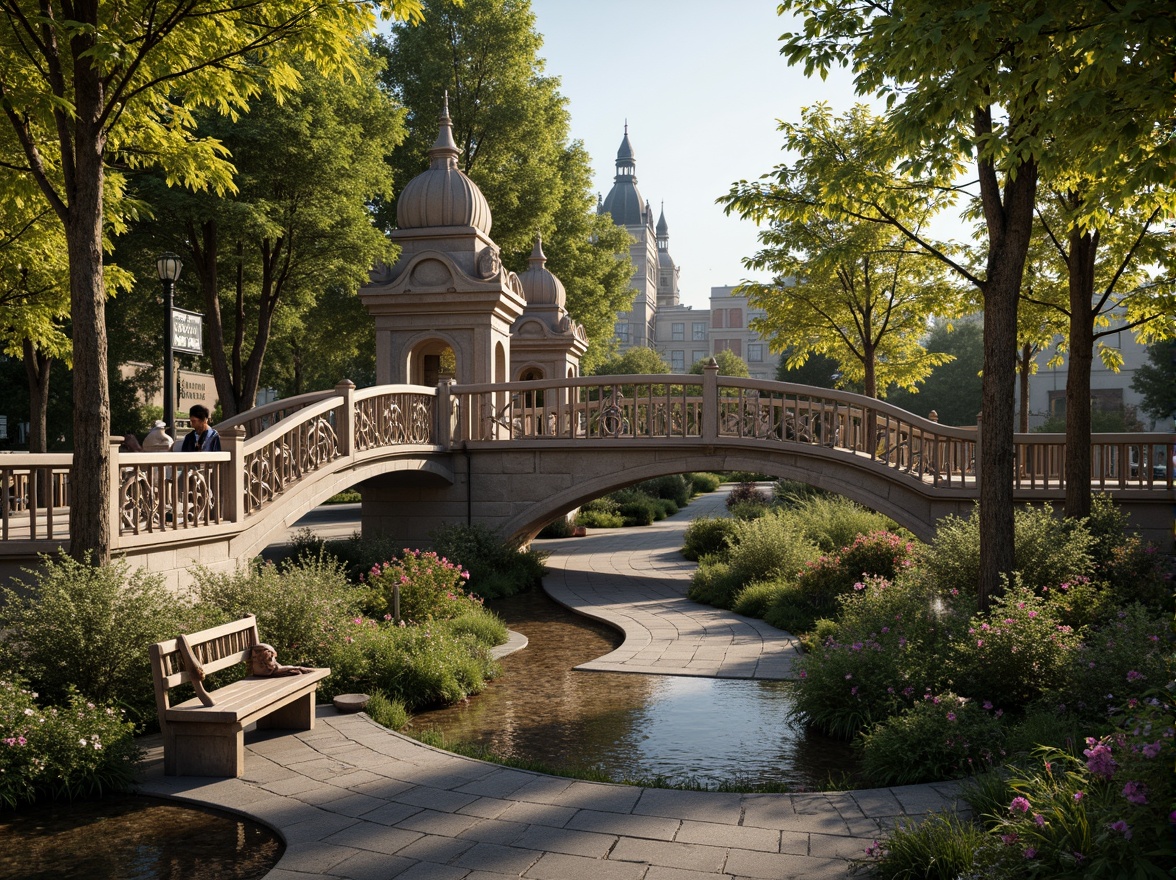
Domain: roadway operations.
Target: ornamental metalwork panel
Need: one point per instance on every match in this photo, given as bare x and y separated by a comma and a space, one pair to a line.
161, 498
393, 420
304, 448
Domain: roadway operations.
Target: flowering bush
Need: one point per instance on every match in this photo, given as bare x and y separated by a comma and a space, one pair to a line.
1013, 653
939, 737
61, 752
1101, 814
747, 493
431, 587
883, 659
1113, 663
831, 575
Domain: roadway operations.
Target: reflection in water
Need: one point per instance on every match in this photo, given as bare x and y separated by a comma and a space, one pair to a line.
631, 726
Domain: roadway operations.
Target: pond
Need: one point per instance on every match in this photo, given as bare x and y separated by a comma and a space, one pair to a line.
684, 729
132, 838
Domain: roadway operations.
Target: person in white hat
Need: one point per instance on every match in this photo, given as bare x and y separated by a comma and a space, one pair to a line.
157, 439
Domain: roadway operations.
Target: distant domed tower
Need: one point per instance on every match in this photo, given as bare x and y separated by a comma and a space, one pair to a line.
546, 343
447, 304
635, 326
667, 272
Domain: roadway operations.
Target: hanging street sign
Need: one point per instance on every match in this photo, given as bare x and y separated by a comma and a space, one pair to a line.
187, 332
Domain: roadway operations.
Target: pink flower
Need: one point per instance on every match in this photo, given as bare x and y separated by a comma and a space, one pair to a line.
1135, 792
1019, 805
1078, 795
951, 716
1123, 828
1098, 758
1152, 749
1009, 839
1030, 853
1038, 819
1132, 675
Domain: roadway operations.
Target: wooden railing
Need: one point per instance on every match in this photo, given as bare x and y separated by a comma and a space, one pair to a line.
268, 451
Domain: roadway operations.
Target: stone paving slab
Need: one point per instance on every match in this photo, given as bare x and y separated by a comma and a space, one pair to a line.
355, 801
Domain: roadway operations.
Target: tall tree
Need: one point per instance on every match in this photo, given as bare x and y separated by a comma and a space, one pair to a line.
512, 126
997, 85
730, 364
91, 84
862, 294
306, 169
953, 388
1156, 382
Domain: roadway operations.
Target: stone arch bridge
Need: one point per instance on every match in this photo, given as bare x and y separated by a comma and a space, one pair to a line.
515, 456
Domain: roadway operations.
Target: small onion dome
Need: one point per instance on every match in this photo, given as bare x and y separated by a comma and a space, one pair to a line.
540, 287
443, 195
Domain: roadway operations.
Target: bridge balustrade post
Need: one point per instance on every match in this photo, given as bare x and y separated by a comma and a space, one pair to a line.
710, 402
345, 430
442, 420
115, 501
232, 498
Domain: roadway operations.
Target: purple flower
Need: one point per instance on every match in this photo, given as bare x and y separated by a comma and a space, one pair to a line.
1123, 828
1078, 795
1019, 805
988, 704
1098, 758
1132, 675
1135, 792
1008, 839
1038, 819
1152, 749
1030, 853
951, 716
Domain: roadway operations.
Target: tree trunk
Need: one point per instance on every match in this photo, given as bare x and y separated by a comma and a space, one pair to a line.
89, 521
37, 365
1009, 221
1078, 365
1025, 362
205, 249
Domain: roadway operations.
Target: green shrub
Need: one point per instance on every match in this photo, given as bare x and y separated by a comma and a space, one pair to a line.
391, 713
940, 737
357, 554
1133, 571
420, 665
666, 507
77, 749
1047, 551
708, 535
560, 527
703, 482
790, 611
599, 519
638, 511
748, 510
84, 626
1042, 725
295, 603
769, 548
674, 487
832, 522
1119, 661
715, 582
941, 847
481, 623
1013, 653
789, 493
497, 568
755, 599
347, 496
429, 586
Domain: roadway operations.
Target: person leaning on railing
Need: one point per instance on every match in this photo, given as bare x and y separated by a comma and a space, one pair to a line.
203, 437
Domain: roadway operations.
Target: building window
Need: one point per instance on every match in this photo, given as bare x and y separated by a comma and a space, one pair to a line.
735, 346
677, 332
696, 356
734, 318
717, 319
622, 330
678, 361
755, 353
698, 331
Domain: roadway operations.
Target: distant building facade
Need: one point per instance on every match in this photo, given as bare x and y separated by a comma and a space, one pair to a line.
656, 317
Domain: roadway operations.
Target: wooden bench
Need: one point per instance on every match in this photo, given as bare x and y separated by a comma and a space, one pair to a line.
205, 736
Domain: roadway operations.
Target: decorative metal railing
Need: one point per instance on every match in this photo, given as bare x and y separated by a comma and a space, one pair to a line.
272, 449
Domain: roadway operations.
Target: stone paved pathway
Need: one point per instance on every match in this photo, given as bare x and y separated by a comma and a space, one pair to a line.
355, 801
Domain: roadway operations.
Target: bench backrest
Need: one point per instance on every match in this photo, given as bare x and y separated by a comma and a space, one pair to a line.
217, 648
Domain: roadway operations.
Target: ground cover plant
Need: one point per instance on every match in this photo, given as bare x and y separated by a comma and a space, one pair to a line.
643, 503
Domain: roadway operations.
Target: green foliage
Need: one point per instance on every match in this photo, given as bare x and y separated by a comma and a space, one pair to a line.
391, 713
729, 363
708, 535
636, 361
561, 527
88, 627
674, 487
703, 482
430, 587
789, 493
828, 577
596, 518
746, 492
70, 750
943, 737
639, 510
791, 612
1155, 381
295, 603
497, 568
952, 389
1047, 551
941, 847
1014, 652
422, 666
832, 522
769, 548
715, 582
755, 599
744, 511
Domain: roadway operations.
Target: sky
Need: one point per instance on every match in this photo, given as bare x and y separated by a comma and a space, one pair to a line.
702, 86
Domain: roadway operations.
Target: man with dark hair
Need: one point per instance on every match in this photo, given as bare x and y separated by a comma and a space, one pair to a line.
203, 437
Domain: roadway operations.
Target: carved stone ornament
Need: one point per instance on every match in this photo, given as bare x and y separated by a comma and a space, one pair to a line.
489, 263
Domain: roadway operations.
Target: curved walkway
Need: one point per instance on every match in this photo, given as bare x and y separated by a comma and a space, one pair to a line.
355, 801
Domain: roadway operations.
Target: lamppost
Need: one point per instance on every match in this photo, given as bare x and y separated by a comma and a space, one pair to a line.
168, 266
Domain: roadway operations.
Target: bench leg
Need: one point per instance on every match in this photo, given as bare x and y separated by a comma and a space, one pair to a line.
202, 749
298, 715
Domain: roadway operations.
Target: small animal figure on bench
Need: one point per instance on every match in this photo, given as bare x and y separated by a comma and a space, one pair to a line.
263, 662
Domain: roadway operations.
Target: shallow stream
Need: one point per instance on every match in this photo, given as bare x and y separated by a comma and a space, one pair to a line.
633, 726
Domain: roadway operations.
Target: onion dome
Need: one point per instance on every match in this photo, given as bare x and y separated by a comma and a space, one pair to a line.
540, 287
443, 195
624, 200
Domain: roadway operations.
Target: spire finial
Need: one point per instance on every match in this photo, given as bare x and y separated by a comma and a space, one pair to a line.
626, 125
537, 258
443, 154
